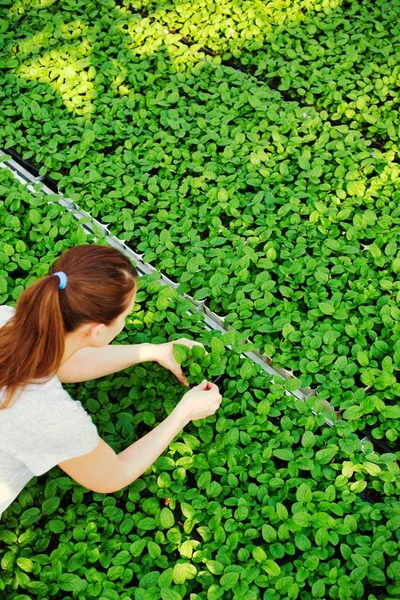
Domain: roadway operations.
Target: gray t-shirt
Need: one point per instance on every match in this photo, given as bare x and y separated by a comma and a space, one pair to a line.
42, 428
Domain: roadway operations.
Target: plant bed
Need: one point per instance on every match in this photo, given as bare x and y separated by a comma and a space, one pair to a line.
34, 171
379, 444
281, 216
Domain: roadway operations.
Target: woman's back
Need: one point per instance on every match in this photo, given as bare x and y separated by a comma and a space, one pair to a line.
62, 330
41, 428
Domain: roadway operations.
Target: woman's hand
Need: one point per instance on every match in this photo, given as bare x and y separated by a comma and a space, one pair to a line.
201, 401
164, 355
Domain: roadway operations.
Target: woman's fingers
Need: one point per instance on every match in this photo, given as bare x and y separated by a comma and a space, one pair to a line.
203, 385
213, 388
188, 343
177, 371
208, 386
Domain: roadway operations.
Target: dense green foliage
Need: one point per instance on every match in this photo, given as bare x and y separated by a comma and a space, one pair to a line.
270, 192
334, 55
260, 500
251, 152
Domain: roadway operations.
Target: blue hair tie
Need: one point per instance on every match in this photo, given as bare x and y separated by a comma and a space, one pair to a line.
63, 279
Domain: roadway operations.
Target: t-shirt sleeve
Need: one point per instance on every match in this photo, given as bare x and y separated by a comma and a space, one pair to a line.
45, 426
58, 432
6, 313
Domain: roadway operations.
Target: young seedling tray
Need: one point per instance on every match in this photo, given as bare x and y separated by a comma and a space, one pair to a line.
28, 175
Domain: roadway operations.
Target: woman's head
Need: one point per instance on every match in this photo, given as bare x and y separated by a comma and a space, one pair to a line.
99, 293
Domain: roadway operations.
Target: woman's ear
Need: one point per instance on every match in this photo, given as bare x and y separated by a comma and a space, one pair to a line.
96, 333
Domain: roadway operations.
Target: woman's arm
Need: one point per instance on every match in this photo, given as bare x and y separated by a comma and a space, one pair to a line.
104, 471
91, 363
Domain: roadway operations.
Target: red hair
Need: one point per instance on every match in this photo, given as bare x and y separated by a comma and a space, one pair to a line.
101, 282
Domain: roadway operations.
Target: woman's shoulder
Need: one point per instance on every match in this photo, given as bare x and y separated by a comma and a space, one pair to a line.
47, 403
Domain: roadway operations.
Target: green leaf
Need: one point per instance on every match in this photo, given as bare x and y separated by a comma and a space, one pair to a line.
56, 526
3, 285
197, 352
376, 575
322, 537
182, 572
25, 564
302, 542
41, 589
292, 384
137, 547
34, 216
187, 548
393, 524
223, 195
193, 265
150, 579
215, 592
214, 489
283, 454
327, 308
217, 345
72, 583
147, 524
318, 589
372, 468
304, 162
396, 265
302, 519
241, 513
204, 480
30, 516
154, 549
8, 537
325, 455
246, 370
363, 358
215, 567
272, 568
268, 532
308, 439
391, 412
229, 580
304, 493
263, 407
259, 555
115, 572
165, 579
281, 511
50, 505
167, 519
391, 248
375, 251
232, 437
181, 353
393, 570
355, 188
168, 594
359, 573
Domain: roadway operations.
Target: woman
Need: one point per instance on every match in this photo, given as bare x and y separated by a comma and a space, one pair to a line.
60, 333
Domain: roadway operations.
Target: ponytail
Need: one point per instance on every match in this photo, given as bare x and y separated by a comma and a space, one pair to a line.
100, 284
